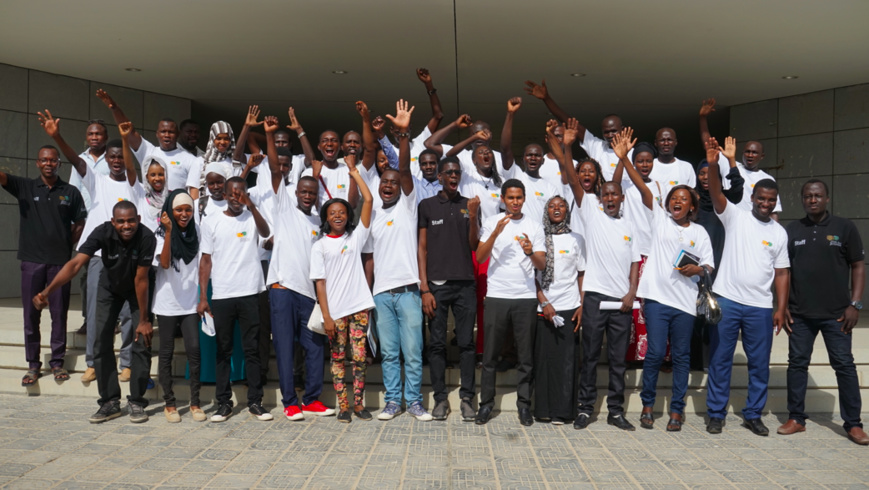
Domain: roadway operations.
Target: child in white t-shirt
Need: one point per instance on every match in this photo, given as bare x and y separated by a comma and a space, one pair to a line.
342, 290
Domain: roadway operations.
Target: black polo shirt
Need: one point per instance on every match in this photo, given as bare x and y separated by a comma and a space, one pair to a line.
46, 218
821, 256
120, 260
447, 249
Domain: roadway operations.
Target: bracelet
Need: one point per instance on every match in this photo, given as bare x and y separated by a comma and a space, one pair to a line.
403, 135
301, 134
433, 91
529, 255
544, 304
425, 292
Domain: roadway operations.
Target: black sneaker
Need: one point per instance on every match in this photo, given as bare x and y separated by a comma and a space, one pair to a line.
581, 421
224, 411
363, 414
441, 410
137, 413
715, 425
108, 411
468, 412
259, 412
756, 426
344, 417
619, 421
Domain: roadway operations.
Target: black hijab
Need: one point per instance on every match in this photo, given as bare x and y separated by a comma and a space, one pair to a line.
184, 245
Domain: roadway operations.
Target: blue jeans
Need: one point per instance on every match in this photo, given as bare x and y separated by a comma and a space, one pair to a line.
801, 342
665, 322
398, 318
290, 312
755, 324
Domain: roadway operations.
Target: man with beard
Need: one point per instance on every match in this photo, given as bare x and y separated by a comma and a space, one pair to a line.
188, 137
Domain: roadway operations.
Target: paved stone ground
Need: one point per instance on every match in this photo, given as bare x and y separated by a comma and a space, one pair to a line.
46, 442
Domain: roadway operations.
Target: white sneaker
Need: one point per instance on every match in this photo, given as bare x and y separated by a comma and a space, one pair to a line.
390, 411
417, 411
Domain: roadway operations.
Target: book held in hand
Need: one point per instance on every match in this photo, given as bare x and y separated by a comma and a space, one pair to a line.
685, 258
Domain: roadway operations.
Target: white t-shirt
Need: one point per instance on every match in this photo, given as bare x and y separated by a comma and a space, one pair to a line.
660, 281
105, 193
600, 150
473, 184
99, 165
263, 197
751, 177
372, 180
176, 292
417, 146
264, 173
511, 273
753, 249
232, 243
212, 206
337, 182
184, 169
537, 192
610, 249
638, 214
678, 172
338, 260
569, 259
295, 233
551, 172
393, 242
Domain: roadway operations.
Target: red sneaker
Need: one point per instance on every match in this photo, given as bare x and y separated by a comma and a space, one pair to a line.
317, 408
293, 413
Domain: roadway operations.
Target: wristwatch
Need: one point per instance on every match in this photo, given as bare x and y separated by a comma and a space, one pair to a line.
857, 305
544, 304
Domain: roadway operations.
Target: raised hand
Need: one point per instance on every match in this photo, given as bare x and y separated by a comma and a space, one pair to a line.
473, 205
106, 98
514, 104
255, 160
622, 142
525, 243
294, 123
166, 222
501, 224
377, 124
539, 91
252, 116
729, 150
711, 150
708, 107
571, 131
125, 128
270, 124
362, 109
350, 161
483, 135
401, 120
48, 123
423, 75
464, 121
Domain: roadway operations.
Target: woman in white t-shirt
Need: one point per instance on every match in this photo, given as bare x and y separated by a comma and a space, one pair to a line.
679, 251
176, 296
559, 289
155, 194
342, 290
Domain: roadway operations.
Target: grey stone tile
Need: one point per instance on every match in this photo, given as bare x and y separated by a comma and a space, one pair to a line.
849, 197
850, 151
158, 106
234, 481
283, 482
131, 101
852, 107
13, 79
805, 156
758, 120
73, 132
745, 476
13, 140
806, 113
65, 97
28, 484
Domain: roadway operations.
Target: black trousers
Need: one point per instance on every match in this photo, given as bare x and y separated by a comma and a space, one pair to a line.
617, 327
109, 304
245, 310
461, 296
503, 315
265, 332
555, 368
188, 325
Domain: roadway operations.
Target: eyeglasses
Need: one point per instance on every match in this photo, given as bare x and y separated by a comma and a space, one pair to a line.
48, 160
452, 172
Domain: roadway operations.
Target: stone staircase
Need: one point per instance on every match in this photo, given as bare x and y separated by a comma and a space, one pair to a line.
822, 395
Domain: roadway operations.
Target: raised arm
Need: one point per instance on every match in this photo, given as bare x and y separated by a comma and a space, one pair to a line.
249, 122
262, 226
719, 202
708, 107
737, 183
484, 249
270, 125
483, 134
565, 157
52, 129
436, 112
622, 144
434, 141
365, 215
507, 157
369, 143
542, 93
166, 251
126, 128
135, 139
294, 125
377, 124
252, 162
474, 222
401, 121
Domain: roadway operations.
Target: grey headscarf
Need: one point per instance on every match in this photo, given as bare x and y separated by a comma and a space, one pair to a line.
550, 229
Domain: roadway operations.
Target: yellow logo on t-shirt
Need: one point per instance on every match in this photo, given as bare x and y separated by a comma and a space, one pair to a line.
613, 165
674, 182
122, 199
241, 235
389, 223
691, 243
344, 249
538, 194
314, 232
627, 238
174, 163
520, 237
564, 251
767, 244
341, 186
832, 237
496, 195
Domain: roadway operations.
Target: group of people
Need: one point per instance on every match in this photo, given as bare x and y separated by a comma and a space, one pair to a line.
376, 237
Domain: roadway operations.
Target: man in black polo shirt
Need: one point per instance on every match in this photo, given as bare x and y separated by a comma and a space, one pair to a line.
448, 232
127, 252
52, 214
827, 257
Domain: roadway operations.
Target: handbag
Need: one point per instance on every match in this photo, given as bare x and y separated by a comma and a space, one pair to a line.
707, 305
315, 322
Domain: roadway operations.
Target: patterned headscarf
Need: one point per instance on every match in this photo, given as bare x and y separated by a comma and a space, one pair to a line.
152, 197
549, 229
212, 154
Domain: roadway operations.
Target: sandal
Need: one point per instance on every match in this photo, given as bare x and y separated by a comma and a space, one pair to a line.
675, 423
30, 377
647, 421
60, 374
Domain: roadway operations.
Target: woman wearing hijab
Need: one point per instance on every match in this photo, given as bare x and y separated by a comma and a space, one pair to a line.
176, 296
155, 194
559, 289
